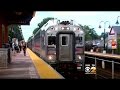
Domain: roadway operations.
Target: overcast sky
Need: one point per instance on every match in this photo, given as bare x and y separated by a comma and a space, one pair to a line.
92, 18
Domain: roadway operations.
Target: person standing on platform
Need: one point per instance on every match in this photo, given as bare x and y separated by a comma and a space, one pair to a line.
24, 48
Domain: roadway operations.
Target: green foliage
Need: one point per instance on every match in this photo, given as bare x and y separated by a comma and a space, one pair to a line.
35, 30
29, 38
118, 46
90, 33
45, 20
102, 35
15, 32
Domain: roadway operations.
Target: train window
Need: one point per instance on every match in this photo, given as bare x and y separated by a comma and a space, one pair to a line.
79, 40
64, 40
51, 40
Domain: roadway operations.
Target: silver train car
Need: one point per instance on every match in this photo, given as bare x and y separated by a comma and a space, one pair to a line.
60, 44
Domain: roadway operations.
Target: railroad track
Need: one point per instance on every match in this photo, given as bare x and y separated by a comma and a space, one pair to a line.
107, 74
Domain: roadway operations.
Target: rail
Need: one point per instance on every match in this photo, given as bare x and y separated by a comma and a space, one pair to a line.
114, 56
113, 63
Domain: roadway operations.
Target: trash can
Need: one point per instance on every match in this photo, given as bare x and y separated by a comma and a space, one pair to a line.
3, 57
6, 45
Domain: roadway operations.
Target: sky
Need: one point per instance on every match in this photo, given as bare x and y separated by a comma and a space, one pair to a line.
91, 18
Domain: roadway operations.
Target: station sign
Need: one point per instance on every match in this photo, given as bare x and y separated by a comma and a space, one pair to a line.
112, 39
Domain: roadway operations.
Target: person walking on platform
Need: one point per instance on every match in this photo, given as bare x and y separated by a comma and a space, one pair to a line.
13, 48
20, 47
24, 48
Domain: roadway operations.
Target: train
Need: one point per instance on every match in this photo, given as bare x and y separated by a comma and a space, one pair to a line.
60, 44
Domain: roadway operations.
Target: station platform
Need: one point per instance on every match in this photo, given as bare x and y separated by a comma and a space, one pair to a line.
113, 56
28, 67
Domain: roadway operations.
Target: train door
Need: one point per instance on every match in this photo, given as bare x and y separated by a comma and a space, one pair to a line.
65, 47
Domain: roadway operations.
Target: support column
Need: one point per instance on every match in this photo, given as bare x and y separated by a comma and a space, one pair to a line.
6, 33
0, 35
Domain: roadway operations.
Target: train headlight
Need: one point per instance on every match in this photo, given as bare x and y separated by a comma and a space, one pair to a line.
68, 28
62, 28
79, 57
52, 28
56, 28
65, 28
50, 57
74, 29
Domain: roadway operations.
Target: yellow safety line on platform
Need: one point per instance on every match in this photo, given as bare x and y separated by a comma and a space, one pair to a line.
45, 71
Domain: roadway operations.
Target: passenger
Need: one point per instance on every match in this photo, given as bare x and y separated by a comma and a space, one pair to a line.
13, 48
24, 48
16, 47
20, 46
97, 49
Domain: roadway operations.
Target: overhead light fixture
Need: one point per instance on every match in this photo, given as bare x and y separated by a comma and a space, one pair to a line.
18, 13
109, 26
99, 26
117, 22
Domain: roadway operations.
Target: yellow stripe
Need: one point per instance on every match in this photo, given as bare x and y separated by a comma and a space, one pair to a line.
45, 71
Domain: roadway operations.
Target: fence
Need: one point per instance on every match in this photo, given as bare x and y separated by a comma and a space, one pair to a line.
97, 62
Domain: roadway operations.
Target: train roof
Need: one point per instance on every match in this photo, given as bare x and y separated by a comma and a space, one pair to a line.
57, 23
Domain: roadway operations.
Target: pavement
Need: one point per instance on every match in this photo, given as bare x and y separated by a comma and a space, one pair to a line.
21, 67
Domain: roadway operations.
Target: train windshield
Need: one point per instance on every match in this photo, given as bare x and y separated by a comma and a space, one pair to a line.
79, 40
51, 40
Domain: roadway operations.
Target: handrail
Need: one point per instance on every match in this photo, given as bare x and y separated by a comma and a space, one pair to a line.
103, 55
113, 63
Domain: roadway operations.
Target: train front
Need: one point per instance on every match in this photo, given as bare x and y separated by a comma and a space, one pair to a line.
65, 46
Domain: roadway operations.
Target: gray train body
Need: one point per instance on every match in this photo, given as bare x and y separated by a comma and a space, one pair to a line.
60, 43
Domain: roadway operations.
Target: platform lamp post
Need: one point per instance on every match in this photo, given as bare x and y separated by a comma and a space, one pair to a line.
91, 32
104, 51
117, 22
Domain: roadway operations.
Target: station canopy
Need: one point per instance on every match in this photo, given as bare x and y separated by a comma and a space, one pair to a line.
15, 17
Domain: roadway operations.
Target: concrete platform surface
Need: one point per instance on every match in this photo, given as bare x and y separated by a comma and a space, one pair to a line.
21, 67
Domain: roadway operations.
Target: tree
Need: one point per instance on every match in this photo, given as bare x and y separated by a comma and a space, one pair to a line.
118, 46
90, 33
15, 32
45, 20
35, 30
29, 38
102, 35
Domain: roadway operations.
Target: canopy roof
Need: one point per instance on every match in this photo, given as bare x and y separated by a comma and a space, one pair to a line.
14, 17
